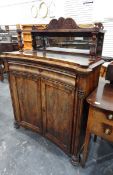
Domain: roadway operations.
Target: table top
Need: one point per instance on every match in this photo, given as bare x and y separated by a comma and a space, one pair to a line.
78, 62
102, 97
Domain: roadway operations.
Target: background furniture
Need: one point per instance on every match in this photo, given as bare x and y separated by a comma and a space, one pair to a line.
1, 70
8, 43
8, 34
104, 66
100, 119
6, 47
109, 73
26, 34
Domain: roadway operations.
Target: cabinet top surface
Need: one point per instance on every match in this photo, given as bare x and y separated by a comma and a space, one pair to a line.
102, 97
74, 61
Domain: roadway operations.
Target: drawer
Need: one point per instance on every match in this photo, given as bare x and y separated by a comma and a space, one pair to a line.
103, 130
102, 116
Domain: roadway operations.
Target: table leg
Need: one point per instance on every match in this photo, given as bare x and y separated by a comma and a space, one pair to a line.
85, 150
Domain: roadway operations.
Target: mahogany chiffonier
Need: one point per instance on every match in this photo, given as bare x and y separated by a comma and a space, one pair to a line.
49, 86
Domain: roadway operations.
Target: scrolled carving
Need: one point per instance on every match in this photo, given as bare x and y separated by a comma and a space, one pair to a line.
68, 87
69, 23
53, 24
99, 25
26, 75
62, 23
39, 27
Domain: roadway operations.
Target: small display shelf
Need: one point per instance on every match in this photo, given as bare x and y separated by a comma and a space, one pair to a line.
65, 33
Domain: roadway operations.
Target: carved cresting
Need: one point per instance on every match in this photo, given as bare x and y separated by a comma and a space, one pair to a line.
62, 23
68, 27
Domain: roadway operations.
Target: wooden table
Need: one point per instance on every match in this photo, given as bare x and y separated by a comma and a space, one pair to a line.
100, 119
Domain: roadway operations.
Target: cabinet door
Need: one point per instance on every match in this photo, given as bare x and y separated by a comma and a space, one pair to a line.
57, 108
26, 96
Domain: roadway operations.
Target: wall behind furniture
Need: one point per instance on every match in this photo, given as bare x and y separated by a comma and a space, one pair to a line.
90, 11
29, 11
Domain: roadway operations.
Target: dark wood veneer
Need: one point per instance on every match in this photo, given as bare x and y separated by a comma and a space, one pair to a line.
68, 28
48, 96
49, 89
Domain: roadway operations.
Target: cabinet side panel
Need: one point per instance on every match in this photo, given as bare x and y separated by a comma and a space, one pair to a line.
14, 96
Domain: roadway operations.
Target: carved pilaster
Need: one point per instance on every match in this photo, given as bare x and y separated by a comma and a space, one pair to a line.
81, 94
75, 159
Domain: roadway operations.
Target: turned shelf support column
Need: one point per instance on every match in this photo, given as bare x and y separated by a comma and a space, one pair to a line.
93, 46
20, 43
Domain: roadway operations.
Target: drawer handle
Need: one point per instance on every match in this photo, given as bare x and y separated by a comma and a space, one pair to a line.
110, 116
107, 131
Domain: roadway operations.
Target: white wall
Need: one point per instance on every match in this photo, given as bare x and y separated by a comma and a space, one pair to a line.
19, 11
103, 10
79, 10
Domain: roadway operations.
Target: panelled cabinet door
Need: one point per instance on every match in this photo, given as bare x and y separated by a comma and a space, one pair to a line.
26, 96
57, 109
